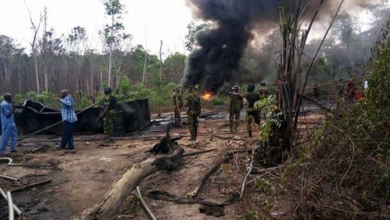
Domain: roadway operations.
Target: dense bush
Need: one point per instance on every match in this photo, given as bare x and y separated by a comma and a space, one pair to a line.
345, 172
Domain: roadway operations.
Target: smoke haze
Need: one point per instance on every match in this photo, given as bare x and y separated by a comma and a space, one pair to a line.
218, 58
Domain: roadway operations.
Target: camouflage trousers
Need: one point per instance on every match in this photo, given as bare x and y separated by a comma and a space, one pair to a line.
234, 118
108, 123
177, 117
193, 125
250, 117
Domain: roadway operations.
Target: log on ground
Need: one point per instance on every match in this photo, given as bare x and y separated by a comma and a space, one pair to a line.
120, 190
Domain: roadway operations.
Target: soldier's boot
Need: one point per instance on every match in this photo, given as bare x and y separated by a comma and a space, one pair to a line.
195, 133
192, 132
236, 124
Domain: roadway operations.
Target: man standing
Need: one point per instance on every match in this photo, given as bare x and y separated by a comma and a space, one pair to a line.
108, 113
263, 91
68, 119
193, 105
315, 91
9, 130
252, 113
351, 91
177, 104
236, 105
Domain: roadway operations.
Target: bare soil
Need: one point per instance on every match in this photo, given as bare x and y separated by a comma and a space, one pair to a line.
81, 177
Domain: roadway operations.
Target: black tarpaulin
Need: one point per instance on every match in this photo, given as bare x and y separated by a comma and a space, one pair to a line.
132, 116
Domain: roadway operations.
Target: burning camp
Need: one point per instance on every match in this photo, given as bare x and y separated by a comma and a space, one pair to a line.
195, 109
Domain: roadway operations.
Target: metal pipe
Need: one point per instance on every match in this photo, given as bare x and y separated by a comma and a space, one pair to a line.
6, 199
9, 178
145, 205
7, 158
11, 213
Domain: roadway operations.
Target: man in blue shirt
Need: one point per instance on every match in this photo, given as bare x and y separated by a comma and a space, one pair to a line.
8, 125
69, 118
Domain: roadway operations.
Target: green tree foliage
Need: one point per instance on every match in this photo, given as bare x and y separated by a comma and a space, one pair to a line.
193, 29
349, 160
174, 66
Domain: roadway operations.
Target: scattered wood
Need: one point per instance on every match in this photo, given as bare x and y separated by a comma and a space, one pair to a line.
145, 205
36, 175
31, 186
164, 196
208, 174
248, 173
199, 152
317, 104
106, 208
39, 149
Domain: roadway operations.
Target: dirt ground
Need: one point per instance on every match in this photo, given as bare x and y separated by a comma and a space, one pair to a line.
80, 178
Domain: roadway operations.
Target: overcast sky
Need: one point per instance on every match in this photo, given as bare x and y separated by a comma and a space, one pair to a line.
165, 20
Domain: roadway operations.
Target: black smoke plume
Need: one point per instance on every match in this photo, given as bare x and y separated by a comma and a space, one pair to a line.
220, 50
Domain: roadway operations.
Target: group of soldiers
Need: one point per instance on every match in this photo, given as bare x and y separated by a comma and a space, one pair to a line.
194, 109
253, 114
193, 104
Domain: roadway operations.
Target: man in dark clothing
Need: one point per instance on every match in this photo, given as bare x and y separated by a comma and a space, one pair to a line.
69, 118
351, 91
193, 105
263, 91
236, 105
315, 91
108, 113
252, 113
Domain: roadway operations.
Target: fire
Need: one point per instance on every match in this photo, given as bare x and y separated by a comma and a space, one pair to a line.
207, 96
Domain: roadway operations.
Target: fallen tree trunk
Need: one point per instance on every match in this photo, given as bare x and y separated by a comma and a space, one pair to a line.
111, 202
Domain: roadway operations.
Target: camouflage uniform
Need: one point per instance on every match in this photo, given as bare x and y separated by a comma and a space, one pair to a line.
236, 105
193, 105
177, 104
109, 115
264, 93
252, 113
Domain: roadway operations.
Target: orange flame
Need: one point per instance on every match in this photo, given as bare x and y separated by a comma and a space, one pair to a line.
207, 96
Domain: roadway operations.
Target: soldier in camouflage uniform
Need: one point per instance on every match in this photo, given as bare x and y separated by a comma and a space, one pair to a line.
263, 91
193, 105
236, 105
177, 104
252, 113
108, 113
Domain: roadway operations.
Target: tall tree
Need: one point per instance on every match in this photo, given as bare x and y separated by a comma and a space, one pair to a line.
35, 26
77, 41
113, 31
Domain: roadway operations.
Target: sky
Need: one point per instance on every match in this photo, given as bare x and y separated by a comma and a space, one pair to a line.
156, 20
164, 20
